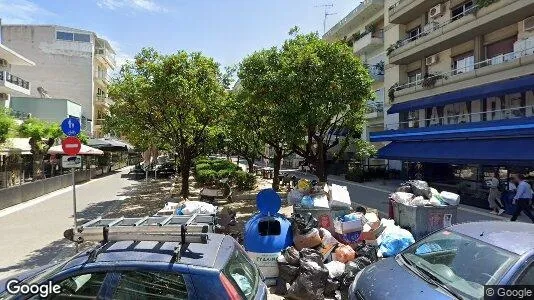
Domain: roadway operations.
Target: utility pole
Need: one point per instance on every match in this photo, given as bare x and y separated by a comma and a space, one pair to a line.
326, 14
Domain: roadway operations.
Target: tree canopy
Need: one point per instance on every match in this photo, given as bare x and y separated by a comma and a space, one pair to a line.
174, 101
7, 125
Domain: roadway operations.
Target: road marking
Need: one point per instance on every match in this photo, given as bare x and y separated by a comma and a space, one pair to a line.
15, 208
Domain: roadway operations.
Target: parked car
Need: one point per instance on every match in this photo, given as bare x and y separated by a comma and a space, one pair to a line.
219, 269
455, 262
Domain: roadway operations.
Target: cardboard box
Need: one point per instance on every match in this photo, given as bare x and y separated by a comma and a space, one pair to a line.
348, 226
369, 233
373, 220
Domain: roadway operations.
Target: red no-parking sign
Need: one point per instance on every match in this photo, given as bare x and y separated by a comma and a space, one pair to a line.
71, 145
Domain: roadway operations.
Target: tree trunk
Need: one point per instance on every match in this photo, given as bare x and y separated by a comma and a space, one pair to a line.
250, 163
38, 166
276, 174
185, 167
321, 162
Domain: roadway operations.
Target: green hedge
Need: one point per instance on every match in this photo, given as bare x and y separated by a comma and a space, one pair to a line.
210, 171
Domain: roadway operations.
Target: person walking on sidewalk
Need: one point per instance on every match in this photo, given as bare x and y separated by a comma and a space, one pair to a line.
494, 196
522, 198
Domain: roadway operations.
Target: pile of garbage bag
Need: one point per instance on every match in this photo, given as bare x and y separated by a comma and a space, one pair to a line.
310, 194
323, 264
419, 193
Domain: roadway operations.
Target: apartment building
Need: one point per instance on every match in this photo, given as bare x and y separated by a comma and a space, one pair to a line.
71, 64
11, 83
459, 81
363, 30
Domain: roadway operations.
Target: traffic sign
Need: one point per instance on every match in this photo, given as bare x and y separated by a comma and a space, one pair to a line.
68, 162
71, 145
71, 126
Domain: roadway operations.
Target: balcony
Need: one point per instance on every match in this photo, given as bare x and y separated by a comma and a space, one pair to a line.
377, 71
405, 11
369, 42
10, 83
436, 37
105, 56
360, 14
103, 100
375, 109
103, 78
99, 122
510, 65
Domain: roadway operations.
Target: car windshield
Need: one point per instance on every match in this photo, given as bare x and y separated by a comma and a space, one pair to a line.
243, 274
458, 263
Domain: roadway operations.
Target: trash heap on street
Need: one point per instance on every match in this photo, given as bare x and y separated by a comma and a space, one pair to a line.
419, 193
326, 256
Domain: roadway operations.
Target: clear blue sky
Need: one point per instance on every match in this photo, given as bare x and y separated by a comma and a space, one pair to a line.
227, 30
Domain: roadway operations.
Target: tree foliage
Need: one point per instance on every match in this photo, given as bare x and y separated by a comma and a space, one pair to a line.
306, 91
7, 125
175, 101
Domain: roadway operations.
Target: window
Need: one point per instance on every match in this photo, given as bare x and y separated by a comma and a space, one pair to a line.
242, 274
527, 278
81, 287
463, 63
414, 76
80, 37
461, 10
498, 50
413, 34
151, 285
69, 36
66, 36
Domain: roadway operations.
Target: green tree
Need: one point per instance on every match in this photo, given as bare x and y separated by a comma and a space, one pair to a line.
7, 125
242, 138
314, 90
174, 101
42, 136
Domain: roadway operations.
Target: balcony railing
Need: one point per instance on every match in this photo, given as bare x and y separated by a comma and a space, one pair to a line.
498, 114
349, 17
431, 27
103, 76
106, 54
6, 76
443, 76
377, 71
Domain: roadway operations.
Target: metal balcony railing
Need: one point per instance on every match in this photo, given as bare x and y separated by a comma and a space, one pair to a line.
498, 114
443, 76
433, 26
6, 76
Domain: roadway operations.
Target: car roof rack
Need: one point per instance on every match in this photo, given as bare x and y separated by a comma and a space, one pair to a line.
181, 229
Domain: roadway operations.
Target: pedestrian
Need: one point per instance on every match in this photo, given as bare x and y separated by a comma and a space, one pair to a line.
495, 195
522, 198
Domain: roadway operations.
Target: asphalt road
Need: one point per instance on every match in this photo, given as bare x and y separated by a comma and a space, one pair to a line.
32, 232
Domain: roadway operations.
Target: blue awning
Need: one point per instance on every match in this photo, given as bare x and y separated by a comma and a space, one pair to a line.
501, 128
508, 86
514, 151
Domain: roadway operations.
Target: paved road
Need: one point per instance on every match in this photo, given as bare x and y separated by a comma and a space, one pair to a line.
32, 232
375, 195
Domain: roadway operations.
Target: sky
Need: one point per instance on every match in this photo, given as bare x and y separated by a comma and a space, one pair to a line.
227, 30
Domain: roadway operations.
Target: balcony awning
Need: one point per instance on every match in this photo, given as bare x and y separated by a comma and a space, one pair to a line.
109, 145
508, 86
501, 128
512, 151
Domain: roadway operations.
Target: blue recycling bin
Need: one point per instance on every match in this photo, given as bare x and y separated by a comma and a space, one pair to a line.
267, 233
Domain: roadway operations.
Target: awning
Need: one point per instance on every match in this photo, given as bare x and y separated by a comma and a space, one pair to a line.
15, 145
508, 86
109, 145
85, 150
513, 151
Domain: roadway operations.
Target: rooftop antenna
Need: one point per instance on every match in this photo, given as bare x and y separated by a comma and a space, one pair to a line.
326, 13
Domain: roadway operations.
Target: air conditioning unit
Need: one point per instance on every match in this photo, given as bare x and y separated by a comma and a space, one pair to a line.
435, 11
432, 59
3, 63
528, 24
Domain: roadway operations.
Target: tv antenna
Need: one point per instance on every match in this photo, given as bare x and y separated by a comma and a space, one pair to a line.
326, 13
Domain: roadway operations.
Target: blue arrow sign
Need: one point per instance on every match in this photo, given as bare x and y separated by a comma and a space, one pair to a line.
71, 126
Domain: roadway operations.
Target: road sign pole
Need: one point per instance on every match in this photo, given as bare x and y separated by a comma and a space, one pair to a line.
74, 203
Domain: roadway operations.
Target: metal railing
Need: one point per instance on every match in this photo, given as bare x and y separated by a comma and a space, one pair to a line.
496, 60
395, 6
434, 26
348, 17
4, 75
498, 114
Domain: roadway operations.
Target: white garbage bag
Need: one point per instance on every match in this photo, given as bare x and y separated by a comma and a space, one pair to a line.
450, 198
402, 197
340, 196
192, 207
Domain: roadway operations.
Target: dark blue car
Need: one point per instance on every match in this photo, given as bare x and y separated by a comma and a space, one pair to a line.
453, 263
219, 269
